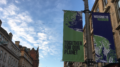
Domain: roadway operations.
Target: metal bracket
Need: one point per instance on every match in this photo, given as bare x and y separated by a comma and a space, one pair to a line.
86, 10
119, 60
90, 62
70, 63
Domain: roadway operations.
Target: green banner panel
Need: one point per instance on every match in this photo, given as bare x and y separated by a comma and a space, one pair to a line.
73, 37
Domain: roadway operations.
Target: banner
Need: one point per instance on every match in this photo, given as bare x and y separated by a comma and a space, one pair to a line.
103, 38
73, 37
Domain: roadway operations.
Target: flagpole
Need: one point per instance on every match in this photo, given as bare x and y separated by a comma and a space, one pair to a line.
89, 60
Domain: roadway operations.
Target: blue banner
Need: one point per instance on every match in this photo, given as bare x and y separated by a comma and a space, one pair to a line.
103, 38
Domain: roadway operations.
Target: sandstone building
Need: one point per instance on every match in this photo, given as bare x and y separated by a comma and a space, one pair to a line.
28, 58
103, 6
25, 58
9, 52
15, 55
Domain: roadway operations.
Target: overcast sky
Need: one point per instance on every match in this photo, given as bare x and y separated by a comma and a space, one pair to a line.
39, 23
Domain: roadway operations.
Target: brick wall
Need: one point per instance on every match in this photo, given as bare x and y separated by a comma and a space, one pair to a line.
35, 55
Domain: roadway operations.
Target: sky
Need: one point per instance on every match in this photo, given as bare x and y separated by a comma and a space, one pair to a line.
39, 23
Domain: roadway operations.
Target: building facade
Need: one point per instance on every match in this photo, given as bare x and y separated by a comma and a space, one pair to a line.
15, 55
28, 58
104, 6
9, 52
25, 59
35, 55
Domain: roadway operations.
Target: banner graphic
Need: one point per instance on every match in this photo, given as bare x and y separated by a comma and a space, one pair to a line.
103, 38
73, 37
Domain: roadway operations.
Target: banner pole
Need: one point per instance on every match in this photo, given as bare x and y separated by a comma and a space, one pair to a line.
88, 37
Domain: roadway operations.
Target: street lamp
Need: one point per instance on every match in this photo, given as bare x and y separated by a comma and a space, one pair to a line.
89, 60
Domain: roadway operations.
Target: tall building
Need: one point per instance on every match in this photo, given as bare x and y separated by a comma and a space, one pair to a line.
25, 59
15, 55
28, 58
104, 6
9, 52
35, 55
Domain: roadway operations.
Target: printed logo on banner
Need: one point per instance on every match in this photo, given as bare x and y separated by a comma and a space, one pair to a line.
103, 38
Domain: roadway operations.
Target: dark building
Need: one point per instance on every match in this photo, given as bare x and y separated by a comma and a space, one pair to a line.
35, 55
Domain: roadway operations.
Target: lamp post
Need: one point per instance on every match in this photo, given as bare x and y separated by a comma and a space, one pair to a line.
89, 60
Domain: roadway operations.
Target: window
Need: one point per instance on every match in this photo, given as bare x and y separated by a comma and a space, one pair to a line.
97, 9
118, 8
104, 3
3, 66
1, 52
118, 3
94, 57
84, 35
4, 57
85, 50
9, 60
96, 65
14, 63
0, 37
103, 64
91, 24
119, 32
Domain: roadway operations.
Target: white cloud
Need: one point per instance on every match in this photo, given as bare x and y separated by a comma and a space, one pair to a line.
9, 11
19, 25
1, 9
3, 2
13, 11
42, 36
24, 17
22, 42
53, 50
23, 24
16, 1
41, 56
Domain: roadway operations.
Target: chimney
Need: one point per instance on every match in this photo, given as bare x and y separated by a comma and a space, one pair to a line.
17, 43
10, 35
33, 49
38, 49
0, 23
